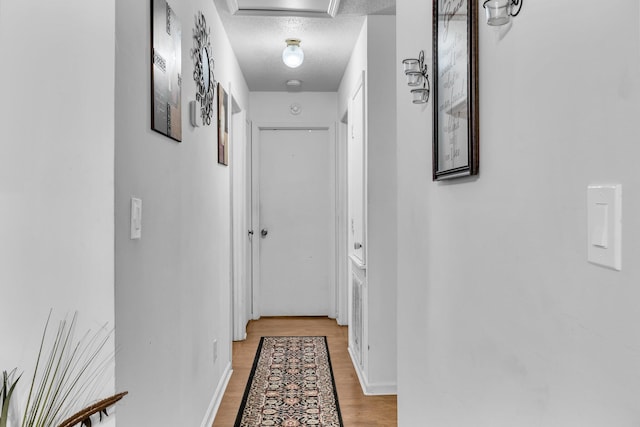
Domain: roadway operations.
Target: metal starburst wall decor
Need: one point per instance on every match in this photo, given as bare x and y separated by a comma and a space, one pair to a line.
203, 68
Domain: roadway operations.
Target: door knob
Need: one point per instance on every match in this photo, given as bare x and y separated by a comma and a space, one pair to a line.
357, 245
264, 232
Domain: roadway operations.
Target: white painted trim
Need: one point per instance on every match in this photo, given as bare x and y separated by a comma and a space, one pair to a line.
266, 9
372, 389
336, 221
207, 421
357, 262
255, 223
232, 225
334, 290
342, 231
233, 6
334, 5
288, 12
237, 165
255, 191
249, 220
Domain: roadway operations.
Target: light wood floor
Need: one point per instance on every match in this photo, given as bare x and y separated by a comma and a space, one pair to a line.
357, 409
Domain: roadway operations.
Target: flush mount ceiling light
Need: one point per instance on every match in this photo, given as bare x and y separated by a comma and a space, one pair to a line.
292, 55
499, 12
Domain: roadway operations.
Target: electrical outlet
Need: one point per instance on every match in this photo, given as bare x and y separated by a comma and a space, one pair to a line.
215, 351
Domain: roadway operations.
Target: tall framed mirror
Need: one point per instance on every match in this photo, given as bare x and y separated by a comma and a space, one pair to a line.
455, 89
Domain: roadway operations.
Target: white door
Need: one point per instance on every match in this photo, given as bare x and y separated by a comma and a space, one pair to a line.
296, 225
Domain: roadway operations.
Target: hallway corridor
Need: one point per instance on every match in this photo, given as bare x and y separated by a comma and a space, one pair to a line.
357, 409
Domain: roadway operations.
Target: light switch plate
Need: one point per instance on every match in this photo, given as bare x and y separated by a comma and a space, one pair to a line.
136, 218
604, 225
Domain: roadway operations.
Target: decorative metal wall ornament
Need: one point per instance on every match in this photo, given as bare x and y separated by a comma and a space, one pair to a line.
499, 12
223, 126
203, 68
415, 70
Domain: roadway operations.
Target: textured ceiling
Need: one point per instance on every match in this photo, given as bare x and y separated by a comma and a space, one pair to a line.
327, 43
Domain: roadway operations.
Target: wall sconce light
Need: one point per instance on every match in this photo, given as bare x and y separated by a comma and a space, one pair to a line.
415, 70
292, 55
499, 12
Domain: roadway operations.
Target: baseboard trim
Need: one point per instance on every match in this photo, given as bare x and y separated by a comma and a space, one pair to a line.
381, 389
244, 338
356, 366
372, 389
217, 397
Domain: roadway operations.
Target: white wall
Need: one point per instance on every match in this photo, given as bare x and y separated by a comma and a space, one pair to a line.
374, 52
273, 107
381, 215
56, 172
353, 72
501, 320
172, 286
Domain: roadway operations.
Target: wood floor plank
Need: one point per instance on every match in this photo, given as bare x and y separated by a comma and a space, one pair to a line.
357, 409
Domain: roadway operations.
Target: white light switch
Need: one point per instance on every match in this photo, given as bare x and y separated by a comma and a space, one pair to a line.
136, 218
604, 212
193, 113
600, 229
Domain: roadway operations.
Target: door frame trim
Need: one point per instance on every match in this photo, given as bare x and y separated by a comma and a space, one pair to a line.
255, 205
239, 211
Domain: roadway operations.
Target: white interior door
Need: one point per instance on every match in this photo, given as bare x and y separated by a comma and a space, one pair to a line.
296, 222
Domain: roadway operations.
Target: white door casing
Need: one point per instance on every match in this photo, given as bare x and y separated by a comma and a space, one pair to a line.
238, 165
248, 222
342, 219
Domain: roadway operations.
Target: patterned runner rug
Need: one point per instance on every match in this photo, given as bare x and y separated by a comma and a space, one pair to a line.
291, 385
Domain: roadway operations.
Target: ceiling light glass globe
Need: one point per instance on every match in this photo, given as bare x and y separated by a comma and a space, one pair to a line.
292, 56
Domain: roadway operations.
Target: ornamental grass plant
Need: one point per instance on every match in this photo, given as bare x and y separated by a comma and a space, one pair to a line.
69, 375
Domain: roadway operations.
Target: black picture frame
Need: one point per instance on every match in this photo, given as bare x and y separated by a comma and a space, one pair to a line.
456, 133
166, 70
223, 126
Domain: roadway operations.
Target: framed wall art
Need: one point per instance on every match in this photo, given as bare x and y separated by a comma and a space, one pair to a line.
455, 91
202, 55
223, 126
166, 70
